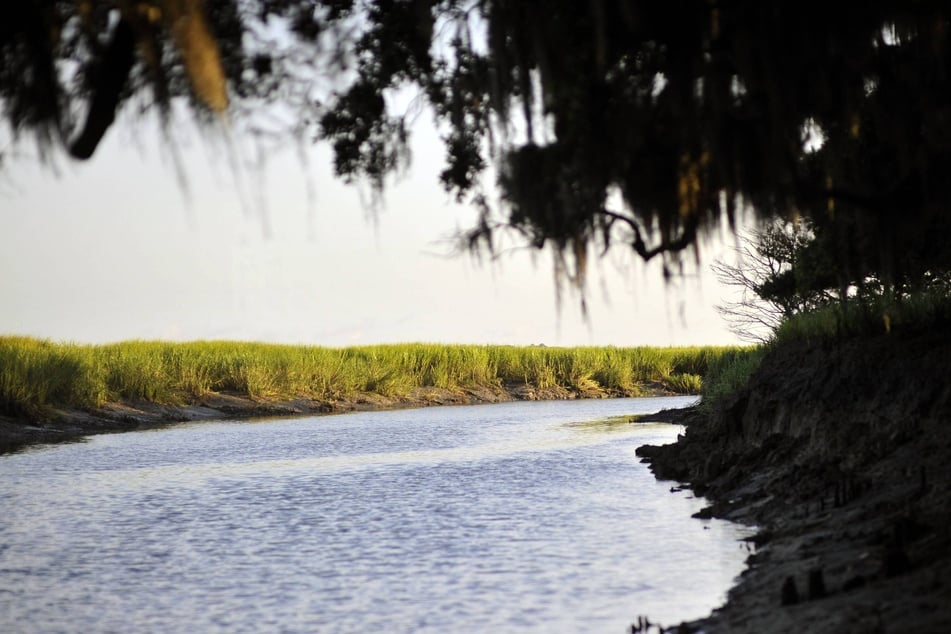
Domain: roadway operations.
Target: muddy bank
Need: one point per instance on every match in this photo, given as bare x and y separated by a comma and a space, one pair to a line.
840, 454
65, 425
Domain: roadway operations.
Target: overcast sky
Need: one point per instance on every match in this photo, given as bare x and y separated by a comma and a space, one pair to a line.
117, 249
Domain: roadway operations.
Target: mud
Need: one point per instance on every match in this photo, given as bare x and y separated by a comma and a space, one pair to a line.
840, 456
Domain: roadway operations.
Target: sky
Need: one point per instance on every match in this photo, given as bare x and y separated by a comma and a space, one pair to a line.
125, 247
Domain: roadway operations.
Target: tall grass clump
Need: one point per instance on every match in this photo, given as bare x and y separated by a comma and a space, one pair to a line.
685, 383
37, 375
728, 375
615, 372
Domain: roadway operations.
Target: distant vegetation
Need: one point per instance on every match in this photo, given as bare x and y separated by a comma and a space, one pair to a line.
37, 375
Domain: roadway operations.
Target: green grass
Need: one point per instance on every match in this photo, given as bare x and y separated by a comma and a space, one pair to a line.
728, 375
37, 375
856, 318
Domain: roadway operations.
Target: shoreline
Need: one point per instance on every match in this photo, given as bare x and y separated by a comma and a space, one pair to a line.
71, 425
839, 458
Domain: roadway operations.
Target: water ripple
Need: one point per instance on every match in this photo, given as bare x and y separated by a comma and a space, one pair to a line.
471, 519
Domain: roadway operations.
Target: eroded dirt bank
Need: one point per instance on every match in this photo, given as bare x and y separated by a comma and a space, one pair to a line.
842, 455
71, 425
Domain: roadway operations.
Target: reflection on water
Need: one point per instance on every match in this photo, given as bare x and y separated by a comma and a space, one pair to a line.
512, 517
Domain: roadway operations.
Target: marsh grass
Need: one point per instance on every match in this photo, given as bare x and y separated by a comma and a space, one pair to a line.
685, 383
37, 375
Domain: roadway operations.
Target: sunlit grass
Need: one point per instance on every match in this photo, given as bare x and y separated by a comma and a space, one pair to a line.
37, 375
862, 318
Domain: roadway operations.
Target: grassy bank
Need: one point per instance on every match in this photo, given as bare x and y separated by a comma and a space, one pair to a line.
830, 326
921, 312
728, 375
36, 375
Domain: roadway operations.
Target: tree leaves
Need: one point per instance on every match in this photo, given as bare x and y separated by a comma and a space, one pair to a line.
675, 112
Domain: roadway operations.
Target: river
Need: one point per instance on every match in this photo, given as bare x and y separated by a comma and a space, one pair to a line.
514, 517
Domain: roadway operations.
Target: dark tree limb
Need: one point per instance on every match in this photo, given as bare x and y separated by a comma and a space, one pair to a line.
111, 76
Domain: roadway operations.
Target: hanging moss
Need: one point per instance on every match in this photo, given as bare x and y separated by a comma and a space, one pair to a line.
608, 121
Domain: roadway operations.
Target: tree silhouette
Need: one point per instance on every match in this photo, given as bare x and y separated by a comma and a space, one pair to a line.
775, 277
608, 121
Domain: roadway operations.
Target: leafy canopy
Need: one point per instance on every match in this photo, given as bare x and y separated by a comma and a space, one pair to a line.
609, 121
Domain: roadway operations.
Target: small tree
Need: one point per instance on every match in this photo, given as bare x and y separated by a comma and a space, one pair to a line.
776, 278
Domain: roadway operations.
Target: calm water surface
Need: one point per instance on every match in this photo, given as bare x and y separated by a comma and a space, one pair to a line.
520, 517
